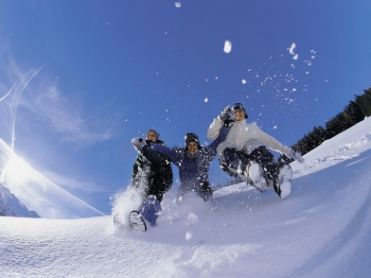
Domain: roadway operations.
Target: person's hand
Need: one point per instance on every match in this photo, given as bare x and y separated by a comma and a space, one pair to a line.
138, 143
226, 115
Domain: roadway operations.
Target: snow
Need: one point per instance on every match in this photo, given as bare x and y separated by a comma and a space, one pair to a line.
323, 229
227, 46
292, 48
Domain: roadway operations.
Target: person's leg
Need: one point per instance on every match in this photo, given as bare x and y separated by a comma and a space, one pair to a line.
156, 187
150, 209
266, 160
233, 161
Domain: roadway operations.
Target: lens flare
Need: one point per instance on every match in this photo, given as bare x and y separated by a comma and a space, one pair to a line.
17, 171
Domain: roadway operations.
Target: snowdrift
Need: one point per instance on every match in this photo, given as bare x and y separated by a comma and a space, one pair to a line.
322, 230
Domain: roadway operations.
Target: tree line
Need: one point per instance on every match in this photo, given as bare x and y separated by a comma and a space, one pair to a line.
353, 113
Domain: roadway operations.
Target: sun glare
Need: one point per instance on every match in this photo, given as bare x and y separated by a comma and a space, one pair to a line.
17, 171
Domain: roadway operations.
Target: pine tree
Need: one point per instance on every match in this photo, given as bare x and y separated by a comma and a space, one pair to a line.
352, 114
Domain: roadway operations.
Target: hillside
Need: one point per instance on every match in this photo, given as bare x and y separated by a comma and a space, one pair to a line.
322, 230
11, 206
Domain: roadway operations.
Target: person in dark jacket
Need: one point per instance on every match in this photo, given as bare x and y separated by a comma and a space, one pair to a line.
193, 161
152, 176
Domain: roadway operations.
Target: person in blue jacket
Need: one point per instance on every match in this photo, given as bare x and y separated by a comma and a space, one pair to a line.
193, 161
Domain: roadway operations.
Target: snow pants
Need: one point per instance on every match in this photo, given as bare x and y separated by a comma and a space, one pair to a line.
158, 184
234, 161
150, 209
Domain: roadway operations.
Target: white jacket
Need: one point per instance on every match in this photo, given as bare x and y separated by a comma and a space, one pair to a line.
246, 137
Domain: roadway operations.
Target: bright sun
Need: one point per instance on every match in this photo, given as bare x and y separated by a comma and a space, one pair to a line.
17, 171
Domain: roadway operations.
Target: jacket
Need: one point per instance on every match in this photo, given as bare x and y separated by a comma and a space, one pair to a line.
246, 137
193, 170
154, 166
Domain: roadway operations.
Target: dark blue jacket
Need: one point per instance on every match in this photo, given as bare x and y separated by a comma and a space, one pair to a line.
193, 170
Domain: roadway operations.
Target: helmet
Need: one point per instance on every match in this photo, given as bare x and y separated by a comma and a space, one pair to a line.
239, 106
191, 137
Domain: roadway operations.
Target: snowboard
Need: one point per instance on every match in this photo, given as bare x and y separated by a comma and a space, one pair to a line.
135, 222
282, 186
141, 219
253, 176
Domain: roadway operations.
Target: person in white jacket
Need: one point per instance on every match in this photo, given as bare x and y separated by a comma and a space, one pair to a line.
244, 152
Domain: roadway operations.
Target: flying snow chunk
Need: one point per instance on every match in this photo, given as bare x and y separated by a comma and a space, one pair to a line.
206, 100
227, 46
296, 57
292, 48
192, 218
178, 5
188, 236
243, 81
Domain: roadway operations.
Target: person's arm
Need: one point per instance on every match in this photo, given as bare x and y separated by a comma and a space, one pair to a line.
211, 149
173, 154
135, 176
214, 128
273, 143
135, 169
151, 150
224, 118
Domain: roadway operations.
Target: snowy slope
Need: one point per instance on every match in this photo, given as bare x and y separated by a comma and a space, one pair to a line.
11, 206
322, 230
347, 145
37, 192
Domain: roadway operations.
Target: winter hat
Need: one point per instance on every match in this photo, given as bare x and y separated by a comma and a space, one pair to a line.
155, 132
191, 137
239, 106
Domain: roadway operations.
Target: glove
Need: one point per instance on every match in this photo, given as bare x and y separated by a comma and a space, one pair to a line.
226, 115
298, 157
295, 155
138, 143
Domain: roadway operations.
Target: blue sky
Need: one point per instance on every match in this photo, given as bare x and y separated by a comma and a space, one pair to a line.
102, 72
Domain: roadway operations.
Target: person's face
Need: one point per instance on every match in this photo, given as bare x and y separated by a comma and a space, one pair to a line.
192, 148
151, 136
239, 115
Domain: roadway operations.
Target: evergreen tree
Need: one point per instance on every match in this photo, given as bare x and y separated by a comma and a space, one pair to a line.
352, 114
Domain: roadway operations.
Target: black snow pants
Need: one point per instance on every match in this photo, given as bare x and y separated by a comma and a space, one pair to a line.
158, 182
234, 161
